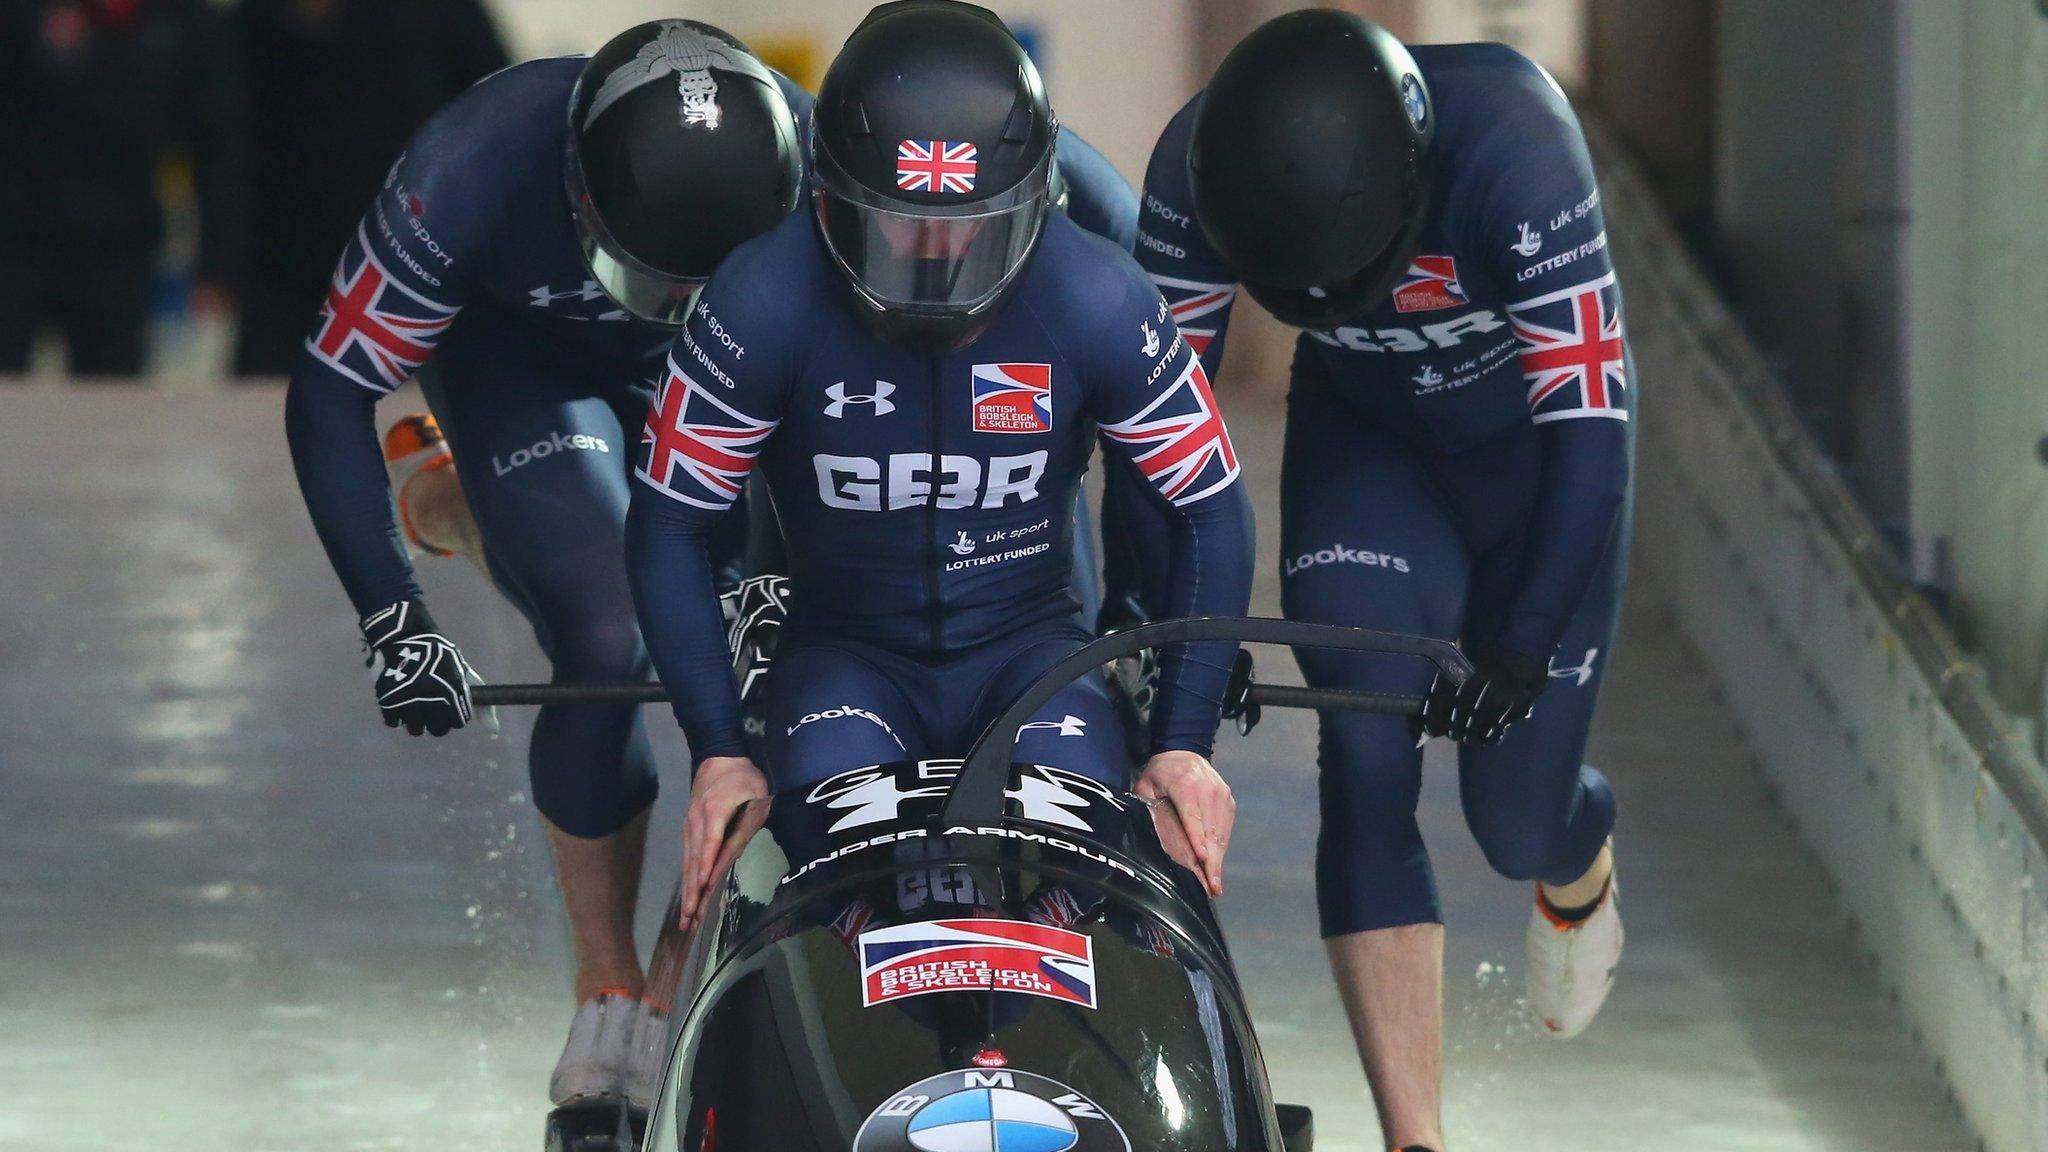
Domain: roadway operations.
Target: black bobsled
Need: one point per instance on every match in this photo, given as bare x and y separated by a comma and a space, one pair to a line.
978, 956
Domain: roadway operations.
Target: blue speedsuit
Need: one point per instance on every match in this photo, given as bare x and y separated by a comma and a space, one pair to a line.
923, 500
469, 256
1456, 465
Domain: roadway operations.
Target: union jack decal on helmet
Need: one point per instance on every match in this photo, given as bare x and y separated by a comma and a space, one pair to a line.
936, 166
696, 448
1179, 441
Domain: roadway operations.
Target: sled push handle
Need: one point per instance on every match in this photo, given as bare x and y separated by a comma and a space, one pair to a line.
623, 692
977, 793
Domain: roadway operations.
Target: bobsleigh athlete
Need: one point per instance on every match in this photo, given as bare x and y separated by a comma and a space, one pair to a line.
531, 258
923, 354
540, 239
1458, 463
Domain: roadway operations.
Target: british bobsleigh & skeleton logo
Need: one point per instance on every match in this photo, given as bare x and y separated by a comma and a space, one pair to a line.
978, 954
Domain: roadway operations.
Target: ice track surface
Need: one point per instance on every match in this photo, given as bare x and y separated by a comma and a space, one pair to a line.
236, 912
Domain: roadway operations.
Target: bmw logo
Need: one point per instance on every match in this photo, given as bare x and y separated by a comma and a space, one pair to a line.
1413, 100
989, 1110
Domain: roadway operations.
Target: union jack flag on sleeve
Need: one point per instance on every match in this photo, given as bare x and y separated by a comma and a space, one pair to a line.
696, 448
1190, 300
1179, 440
1573, 354
374, 329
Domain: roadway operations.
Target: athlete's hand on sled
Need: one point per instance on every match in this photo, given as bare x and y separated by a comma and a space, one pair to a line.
420, 677
1502, 690
1193, 811
728, 804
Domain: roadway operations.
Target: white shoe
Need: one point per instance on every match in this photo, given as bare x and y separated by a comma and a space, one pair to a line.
650, 1049
598, 1059
414, 446
1571, 963
432, 513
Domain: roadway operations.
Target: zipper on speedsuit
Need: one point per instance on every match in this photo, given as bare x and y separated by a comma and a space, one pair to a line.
933, 607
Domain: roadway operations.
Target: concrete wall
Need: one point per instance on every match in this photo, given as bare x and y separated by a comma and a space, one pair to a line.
1879, 171
1778, 153
1878, 738
1651, 76
1979, 379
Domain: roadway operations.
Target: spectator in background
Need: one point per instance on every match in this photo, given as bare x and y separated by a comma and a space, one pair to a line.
339, 87
95, 94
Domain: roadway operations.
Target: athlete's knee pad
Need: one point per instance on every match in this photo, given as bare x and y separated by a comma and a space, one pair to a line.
1372, 870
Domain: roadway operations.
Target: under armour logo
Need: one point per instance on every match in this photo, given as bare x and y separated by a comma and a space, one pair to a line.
963, 546
542, 296
841, 398
1581, 672
1151, 339
1068, 725
1530, 243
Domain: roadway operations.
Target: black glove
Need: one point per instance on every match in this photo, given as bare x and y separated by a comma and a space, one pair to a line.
1502, 690
421, 680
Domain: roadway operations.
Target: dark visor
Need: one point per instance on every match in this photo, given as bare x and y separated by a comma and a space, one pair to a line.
903, 255
641, 289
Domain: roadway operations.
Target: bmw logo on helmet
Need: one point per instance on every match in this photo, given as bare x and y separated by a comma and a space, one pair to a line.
989, 1110
1411, 98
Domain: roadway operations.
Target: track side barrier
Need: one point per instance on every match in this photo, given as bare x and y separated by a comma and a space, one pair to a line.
1876, 732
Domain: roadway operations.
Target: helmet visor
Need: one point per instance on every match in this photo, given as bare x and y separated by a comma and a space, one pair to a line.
645, 291
920, 262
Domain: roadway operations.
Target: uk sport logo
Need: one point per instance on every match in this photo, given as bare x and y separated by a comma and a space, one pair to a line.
936, 166
906, 960
1573, 353
697, 449
1012, 398
1431, 283
1190, 301
373, 329
1179, 440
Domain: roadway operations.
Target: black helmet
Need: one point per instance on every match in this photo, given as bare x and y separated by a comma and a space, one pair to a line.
681, 147
1310, 165
932, 148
